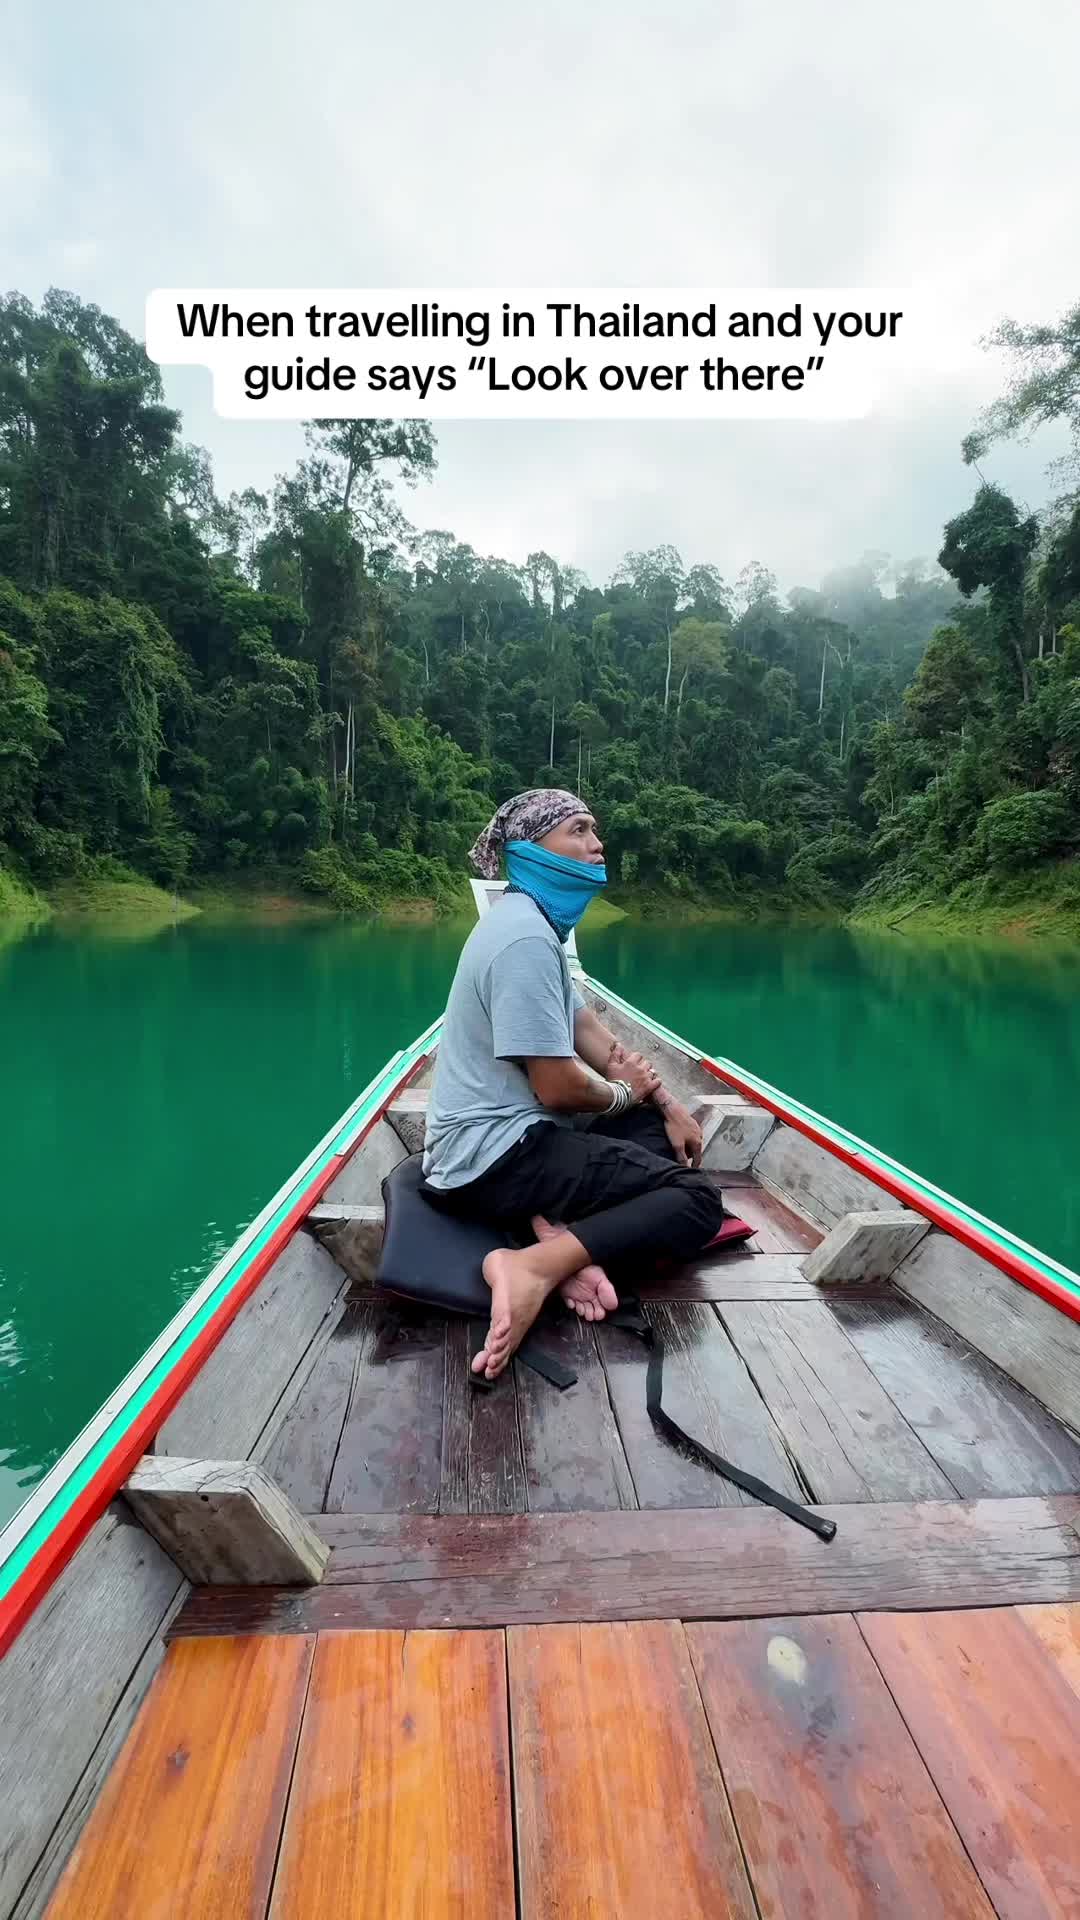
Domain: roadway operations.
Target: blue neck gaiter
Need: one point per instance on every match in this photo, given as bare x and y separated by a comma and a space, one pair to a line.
561, 888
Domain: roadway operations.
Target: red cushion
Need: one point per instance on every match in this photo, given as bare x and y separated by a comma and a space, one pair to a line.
732, 1229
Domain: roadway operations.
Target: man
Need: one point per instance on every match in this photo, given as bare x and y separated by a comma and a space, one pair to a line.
601, 1162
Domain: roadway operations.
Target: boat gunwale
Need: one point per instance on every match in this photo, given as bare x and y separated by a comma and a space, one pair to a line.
32, 1581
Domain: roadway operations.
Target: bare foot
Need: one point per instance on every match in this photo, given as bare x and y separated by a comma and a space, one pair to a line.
518, 1291
589, 1291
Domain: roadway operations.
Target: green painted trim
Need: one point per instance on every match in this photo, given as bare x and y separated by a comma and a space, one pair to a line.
83, 1471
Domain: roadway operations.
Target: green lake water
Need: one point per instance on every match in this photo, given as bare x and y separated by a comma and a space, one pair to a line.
156, 1091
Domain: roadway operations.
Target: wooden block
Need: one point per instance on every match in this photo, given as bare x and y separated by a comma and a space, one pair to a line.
734, 1131
732, 1563
80, 1666
353, 1237
1000, 1734
865, 1246
817, 1182
400, 1803
360, 1180
988, 1434
237, 1391
619, 1804
837, 1815
483, 1466
300, 1451
225, 1523
390, 1456
574, 1455
709, 1392
1002, 1319
189, 1820
407, 1116
838, 1422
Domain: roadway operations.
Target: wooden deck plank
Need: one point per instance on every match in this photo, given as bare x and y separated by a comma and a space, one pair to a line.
189, 1819
990, 1435
777, 1229
574, 1457
1059, 1630
739, 1275
301, 1455
837, 1815
709, 1392
483, 1469
850, 1441
390, 1456
620, 1808
400, 1802
1001, 1736
712, 1565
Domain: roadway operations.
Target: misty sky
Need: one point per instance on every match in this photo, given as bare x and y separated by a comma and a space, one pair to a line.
686, 143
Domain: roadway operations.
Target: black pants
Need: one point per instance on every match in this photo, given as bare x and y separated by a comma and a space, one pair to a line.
615, 1182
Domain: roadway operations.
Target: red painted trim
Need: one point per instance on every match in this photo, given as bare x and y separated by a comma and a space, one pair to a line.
55, 1552
1009, 1263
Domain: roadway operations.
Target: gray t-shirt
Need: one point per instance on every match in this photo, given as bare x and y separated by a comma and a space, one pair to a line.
512, 999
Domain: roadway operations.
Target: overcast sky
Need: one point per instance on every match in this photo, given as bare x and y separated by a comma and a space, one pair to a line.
685, 143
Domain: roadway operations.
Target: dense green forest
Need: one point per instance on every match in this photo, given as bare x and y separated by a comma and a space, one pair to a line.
301, 683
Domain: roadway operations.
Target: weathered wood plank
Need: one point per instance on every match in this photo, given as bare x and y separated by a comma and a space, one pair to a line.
360, 1180
407, 1117
837, 1420
354, 1239
574, 1457
711, 1565
819, 1184
224, 1523
390, 1456
234, 1394
483, 1469
301, 1452
1058, 1629
400, 1803
708, 1391
989, 1435
777, 1229
1001, 1737
735, 1274
865, 1246
189, 1820
1024, 1335
79, 1660
836, 1812
619, 1804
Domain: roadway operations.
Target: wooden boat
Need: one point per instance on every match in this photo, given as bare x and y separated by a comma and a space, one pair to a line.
301, 1624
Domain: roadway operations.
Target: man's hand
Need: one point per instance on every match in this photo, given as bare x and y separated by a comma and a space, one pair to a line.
684, 1133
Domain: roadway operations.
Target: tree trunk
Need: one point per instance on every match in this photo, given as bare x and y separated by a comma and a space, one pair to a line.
1025, 677
682, 688
464, 642
821, 689
579, 762
551, 747
667, 676
427, 664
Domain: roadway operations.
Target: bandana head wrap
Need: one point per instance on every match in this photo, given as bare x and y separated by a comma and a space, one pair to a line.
528, 816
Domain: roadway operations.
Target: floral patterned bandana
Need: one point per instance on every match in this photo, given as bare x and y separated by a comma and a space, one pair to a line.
528, 816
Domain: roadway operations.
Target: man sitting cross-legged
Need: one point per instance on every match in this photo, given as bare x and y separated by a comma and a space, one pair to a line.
520, 1132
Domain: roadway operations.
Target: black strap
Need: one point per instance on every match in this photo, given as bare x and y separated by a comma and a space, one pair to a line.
630, 1317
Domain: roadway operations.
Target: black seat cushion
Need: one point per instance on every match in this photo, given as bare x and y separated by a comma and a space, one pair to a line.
430, 1255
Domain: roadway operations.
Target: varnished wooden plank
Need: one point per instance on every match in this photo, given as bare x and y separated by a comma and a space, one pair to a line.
709, 1392
81, 1659
985, 1431
739, 1275
1024, 1335
836, 1418
619, 1804
1000, 1734
390, 1456
483, 1470
1059, 1630
234, 1395
301, 1454
777, 1228
712, 1565
400, 1803
574, 1458
836, 1812
190, 1818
